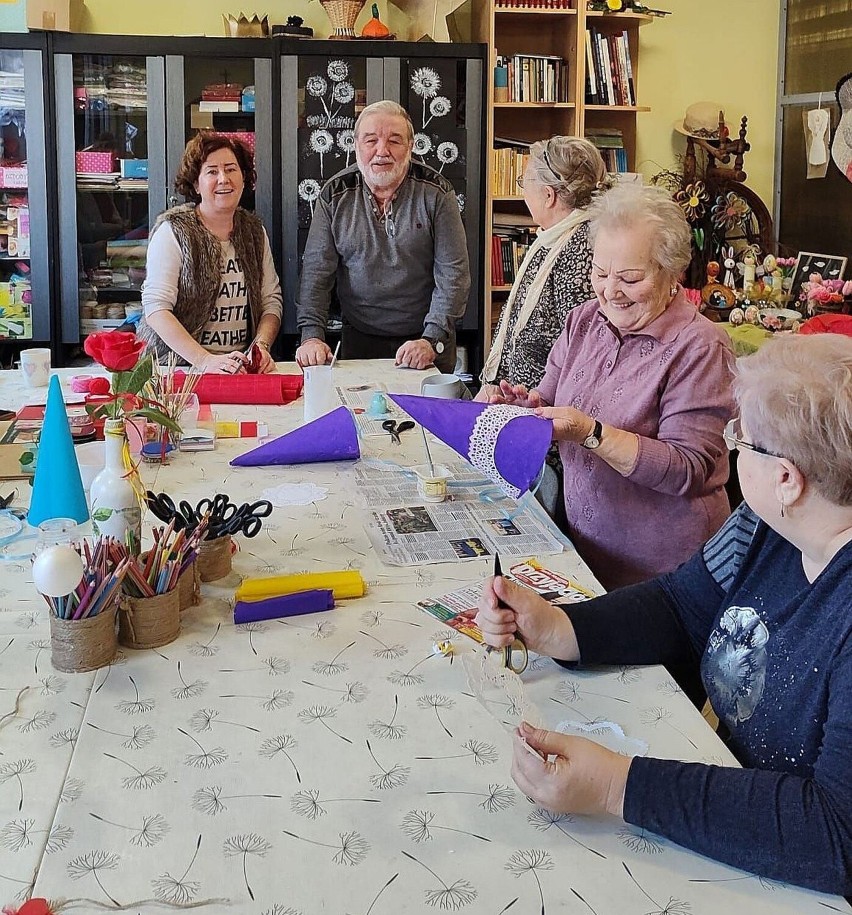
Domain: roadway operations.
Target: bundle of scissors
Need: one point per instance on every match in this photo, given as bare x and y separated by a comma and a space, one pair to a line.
223, 516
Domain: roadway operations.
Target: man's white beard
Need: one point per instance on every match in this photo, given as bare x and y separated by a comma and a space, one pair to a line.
383, 179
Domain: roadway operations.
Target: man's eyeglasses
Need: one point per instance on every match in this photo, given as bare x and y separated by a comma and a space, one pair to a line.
390, 225
733, 441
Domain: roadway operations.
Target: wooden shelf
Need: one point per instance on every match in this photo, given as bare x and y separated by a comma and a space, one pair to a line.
508, 197
501, 288
627, 20
615, 109
534, 105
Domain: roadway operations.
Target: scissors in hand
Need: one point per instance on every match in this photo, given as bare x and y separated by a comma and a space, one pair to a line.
394, 428
515, 656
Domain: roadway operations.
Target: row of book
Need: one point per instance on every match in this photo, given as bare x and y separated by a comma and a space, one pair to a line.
532, 78
610, 144
609, 70
507, 254
535, 4
507, 165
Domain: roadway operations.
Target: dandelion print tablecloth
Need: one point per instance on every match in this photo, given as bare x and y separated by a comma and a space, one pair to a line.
331, 763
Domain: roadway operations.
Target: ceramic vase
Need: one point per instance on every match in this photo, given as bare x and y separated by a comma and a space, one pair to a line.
115, 506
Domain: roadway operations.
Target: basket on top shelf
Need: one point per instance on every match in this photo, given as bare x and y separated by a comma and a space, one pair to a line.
342, 14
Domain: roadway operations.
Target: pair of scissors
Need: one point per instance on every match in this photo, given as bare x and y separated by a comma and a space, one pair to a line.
165, 509
394, 428
246, 520
515, 656
220, 508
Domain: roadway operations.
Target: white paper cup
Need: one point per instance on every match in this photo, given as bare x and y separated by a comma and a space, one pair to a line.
91, 457
432, 487
447, 387
35, 367
320, 397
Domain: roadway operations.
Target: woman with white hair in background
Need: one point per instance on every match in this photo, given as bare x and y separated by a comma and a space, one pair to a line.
638, 386
759, 619
560, 179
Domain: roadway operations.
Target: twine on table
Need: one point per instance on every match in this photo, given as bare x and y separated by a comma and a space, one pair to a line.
214, 558
14, 711
84, 644
189, 587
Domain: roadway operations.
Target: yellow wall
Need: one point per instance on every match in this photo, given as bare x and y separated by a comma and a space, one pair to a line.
199, 17
726, 52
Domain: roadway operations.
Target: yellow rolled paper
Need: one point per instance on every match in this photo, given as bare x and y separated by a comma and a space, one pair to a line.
343, 584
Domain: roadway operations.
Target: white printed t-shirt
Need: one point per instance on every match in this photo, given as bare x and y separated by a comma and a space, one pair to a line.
228, 326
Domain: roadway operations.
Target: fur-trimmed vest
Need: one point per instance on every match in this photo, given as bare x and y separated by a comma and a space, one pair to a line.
201, 271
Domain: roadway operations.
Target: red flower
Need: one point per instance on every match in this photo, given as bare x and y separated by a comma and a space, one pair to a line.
99, 386
114, 350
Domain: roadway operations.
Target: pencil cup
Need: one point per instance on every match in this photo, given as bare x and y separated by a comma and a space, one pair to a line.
214, 558
432, 484
149, 622
87, 644
189, 587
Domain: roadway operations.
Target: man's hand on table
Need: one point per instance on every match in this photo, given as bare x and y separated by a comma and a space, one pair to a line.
580, 776
416, 354
313, 352
544, 628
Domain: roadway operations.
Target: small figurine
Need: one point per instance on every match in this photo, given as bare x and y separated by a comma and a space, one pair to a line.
736, 317
730, 265
749, 271
752, 314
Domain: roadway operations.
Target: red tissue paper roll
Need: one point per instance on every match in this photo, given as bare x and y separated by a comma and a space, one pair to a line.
248, 389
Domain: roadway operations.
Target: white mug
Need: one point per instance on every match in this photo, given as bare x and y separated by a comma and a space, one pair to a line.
35, 367
448, 387
320, 396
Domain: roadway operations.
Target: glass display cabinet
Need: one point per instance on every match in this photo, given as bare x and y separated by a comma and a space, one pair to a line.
24, 261
111, 183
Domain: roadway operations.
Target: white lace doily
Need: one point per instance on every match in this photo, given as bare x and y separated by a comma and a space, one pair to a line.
295, 494
483, 443
498, 690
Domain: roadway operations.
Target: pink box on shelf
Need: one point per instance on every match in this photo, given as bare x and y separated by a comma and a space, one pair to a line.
246, 137
90, 162
13, 176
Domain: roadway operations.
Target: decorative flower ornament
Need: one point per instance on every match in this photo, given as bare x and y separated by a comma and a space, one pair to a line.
729, 211
425, 82
316, 86
439, 106
343, 93
338, 70
422, 144
692, 200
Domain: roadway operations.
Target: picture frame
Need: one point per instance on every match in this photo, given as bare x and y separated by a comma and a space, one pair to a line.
828, 266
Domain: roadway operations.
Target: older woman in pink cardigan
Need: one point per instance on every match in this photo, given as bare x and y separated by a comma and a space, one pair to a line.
639, 388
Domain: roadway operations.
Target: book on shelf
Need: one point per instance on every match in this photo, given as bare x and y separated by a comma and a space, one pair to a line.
507, 165
219, 106
535, 77
508, 249
610, 144
609, 69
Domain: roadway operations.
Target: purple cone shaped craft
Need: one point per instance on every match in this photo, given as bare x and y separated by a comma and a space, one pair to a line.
506, 443
332, 437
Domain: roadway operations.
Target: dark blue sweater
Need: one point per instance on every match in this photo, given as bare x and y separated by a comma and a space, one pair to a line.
774, 653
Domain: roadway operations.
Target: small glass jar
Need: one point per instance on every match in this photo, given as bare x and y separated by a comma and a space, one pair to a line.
57, 531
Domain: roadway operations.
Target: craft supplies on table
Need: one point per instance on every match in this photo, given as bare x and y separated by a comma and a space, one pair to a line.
474, 522
314, 601
272, 389
344, 584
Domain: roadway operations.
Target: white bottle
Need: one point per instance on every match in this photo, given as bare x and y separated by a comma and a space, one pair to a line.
115, 507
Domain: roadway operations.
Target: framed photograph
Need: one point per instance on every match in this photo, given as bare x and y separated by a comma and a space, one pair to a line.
828, 266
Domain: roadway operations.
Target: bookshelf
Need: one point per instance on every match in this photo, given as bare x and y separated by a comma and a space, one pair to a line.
516, 33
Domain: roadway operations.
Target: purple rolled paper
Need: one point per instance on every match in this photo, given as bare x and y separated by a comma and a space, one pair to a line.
274, 608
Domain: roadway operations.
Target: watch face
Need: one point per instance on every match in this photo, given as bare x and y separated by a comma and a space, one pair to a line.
439, 347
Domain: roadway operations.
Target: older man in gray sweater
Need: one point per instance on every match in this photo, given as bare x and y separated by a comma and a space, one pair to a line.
388, 233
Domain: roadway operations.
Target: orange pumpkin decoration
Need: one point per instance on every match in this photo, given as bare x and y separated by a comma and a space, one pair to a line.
375, 28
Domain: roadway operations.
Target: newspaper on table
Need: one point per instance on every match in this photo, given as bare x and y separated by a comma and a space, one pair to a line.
358, 398
475, 521
457, 608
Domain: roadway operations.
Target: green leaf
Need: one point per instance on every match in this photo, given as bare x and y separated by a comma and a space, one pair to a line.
26, 458
101, 514
132, 382
157, 416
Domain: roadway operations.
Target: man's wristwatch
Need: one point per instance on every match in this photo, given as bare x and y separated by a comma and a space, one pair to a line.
593, 439
436, 345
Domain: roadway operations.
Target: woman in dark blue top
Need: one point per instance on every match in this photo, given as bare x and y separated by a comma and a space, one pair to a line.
761, 618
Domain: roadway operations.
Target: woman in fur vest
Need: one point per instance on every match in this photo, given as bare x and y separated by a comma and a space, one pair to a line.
211, 288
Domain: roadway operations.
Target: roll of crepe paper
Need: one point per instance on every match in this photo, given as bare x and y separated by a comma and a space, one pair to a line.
342, 584
248, 389
274, 608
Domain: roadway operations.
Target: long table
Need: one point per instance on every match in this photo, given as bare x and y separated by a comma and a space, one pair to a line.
331, 763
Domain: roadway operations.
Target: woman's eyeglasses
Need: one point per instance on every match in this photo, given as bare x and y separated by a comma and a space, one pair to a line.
547, 162
733, 441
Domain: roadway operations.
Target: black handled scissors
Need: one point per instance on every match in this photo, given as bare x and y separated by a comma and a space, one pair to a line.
515, 656
392, 426
220, 507
246, 520
165, 509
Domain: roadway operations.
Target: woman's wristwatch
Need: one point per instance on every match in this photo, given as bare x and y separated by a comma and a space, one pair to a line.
593, 439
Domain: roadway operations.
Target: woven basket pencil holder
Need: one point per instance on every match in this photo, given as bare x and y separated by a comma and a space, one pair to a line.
189, 587
214, 558
87, 644
149, 622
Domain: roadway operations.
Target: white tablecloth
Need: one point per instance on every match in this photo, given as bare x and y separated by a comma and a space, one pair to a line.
322, 764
